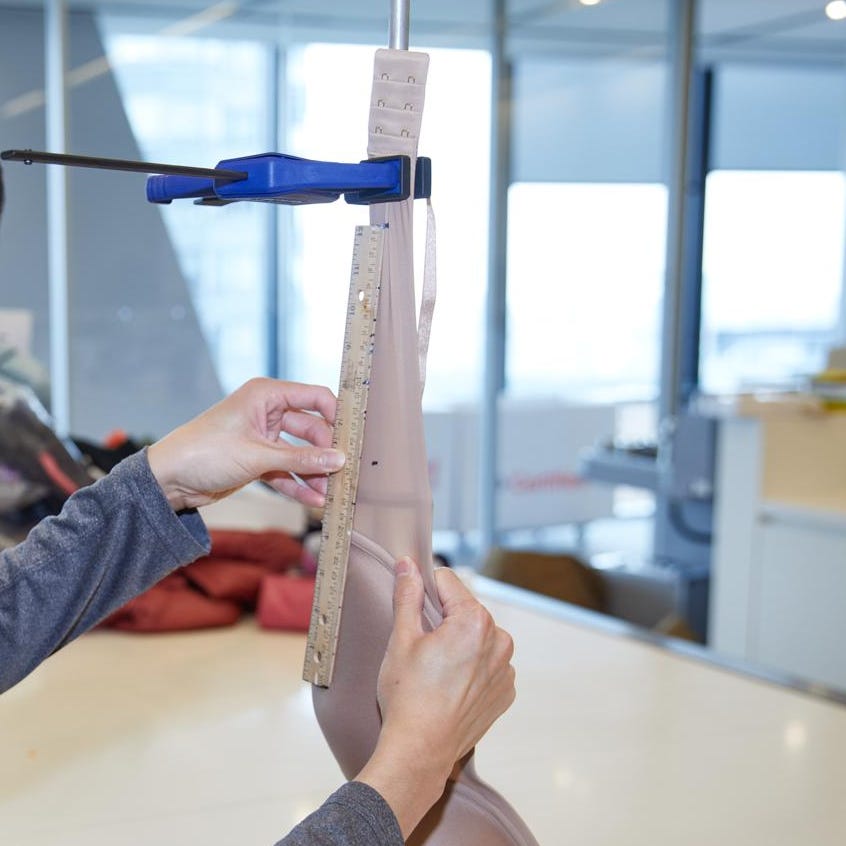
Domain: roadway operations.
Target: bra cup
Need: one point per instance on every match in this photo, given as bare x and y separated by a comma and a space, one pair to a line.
348, 712
471, 812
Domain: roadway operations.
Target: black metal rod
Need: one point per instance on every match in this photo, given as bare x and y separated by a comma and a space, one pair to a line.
31, 156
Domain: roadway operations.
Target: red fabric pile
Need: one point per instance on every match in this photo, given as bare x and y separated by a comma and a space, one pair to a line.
267, 572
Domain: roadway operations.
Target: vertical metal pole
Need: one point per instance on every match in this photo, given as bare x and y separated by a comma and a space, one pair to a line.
682, 17
696, 175
495, 317
672, 545
275, 276
400, 24
55, 52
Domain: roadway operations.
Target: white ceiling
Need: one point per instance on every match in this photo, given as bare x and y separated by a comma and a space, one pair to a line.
745, 29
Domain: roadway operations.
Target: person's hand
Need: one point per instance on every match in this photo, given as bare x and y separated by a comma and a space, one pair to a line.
238, 441
438, 691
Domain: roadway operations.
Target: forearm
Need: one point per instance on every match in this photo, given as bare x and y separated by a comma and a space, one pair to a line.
355, 815
409, 779
112, 541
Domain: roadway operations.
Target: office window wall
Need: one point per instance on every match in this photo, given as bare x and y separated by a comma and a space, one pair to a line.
774, 226
585, 273
587, 204
197, 100
587, 215
772, 277
194, 101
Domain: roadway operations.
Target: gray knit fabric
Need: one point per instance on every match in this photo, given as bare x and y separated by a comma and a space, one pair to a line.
112, 541
355, 815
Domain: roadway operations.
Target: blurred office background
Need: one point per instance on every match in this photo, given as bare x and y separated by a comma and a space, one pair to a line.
594, 288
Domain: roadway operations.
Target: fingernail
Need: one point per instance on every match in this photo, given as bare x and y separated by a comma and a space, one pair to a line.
332, 459
403, 567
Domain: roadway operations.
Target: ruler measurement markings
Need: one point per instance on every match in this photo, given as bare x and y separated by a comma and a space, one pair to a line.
336, 531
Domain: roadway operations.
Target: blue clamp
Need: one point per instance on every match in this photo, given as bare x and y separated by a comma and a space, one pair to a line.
278, 178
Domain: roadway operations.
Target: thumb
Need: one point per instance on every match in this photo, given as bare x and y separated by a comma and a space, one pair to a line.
408, 598
452, 592
302, 460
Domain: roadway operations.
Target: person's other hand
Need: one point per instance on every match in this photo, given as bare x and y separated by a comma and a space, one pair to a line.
438, 691
238, 441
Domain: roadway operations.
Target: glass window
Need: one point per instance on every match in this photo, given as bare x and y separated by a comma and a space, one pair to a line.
772, 277
585, 286
195, 101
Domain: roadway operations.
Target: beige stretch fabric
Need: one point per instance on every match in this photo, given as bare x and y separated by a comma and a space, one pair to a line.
394, 501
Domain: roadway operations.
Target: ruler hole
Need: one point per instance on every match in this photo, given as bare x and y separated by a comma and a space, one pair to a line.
361, 296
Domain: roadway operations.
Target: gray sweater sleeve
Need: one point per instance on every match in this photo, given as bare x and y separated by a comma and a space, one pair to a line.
355, 815
112, 541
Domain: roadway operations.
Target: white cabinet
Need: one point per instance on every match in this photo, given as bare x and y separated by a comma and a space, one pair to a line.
797, 611
778, 591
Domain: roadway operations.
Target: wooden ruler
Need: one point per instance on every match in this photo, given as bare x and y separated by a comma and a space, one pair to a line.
365, 280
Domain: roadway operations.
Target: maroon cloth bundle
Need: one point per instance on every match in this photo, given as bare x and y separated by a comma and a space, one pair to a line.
285, 602
273, 549
245, 571
172, 605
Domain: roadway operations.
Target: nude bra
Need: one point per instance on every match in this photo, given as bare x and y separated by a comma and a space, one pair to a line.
394, 500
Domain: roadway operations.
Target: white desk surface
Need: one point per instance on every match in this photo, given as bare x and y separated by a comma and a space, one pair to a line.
209, 738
